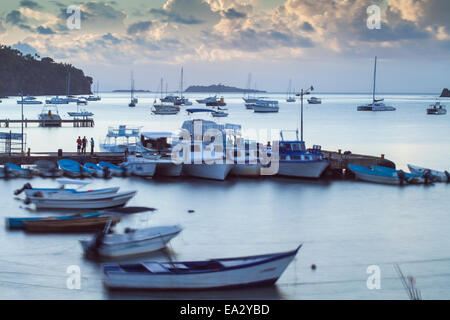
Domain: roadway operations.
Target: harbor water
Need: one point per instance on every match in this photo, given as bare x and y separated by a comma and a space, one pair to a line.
345, 226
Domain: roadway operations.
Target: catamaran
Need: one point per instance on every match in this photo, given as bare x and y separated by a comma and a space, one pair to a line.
377, 104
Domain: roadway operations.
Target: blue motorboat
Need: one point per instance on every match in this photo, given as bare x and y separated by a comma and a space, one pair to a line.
93, 169
72, 168
384, 175
13, 170
112, 168
406, 176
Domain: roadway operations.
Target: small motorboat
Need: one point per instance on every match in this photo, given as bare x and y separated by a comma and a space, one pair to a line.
437, 109
385, 176
63, 192
412, 178
140, 166
15, 171
200, 275
114, 170
435, 175
47, 168
72, 168
95, 170
314, 100
131, 242
95, 201
87, 222
29, 100
266, 106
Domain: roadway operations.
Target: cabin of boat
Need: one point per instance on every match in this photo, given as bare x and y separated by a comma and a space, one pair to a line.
437, 108
120, 138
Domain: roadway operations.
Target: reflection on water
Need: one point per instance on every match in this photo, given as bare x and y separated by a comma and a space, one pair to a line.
345, 226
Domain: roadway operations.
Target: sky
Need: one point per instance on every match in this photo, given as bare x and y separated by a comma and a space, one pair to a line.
324, 43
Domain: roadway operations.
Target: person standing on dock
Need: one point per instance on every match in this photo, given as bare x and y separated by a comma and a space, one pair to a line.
79, 145
83, 150
92, 146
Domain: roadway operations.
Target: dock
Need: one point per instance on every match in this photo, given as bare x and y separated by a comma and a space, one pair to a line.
339, 161
89, 122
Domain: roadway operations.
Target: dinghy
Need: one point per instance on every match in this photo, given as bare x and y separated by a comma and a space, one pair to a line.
72, 168
95, 170
97, 201
412, 178
46, 169
131, 242
140, 166
436, 175
199, 275
114, 170
370, 175
63, 192
15, 171
88, 222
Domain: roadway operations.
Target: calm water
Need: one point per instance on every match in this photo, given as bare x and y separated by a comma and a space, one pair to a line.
345, 226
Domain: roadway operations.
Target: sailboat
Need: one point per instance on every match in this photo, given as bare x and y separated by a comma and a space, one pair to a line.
133, 99
164, 107
94, 98
377, 104
182, 100
289, 97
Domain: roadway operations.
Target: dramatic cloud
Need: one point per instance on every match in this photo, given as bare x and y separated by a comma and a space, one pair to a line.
30, 4
44, 30
139, 27
234, 14
15, 18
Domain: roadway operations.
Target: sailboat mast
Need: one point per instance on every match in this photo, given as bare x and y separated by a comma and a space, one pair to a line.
374, 78
181, 83
161, 88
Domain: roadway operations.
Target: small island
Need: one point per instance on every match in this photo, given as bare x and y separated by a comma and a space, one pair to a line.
219, 88
33, 75
445, 93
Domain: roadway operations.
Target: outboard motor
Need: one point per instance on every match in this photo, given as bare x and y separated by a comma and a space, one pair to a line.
106, 172
427, 176
447, 175
25, 186
6, 171
401, 176
81, 170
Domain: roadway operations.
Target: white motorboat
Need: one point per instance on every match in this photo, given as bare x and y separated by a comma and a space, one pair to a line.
296, 161
208, 99
74, 202
139, 166
63, 193
118, 139
165, 108
209, 274
49, 117
57, 100
437, 109
132, 242
376, 104
29, 100
314, 100
265, 106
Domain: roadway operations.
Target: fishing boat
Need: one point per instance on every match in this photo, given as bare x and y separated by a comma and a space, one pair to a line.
73, 168
376, 104
49, 117
223, 273
265, 106
382, 176
62, 191
97, 201
440, 176
114, 170
46, 168
158, 146
296, 161
314, 100
131, 242
87, 222
140, 166
217, 103
118, 139
437, 109
15, 171
202, 164
29, 100
208, 99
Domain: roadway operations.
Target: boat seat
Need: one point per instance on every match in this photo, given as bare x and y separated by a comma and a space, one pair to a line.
154, 267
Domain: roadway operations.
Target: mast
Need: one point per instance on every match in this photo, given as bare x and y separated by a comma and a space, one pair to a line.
374, 78
289, 88
132, 86
161, 88
249, 83
181, 83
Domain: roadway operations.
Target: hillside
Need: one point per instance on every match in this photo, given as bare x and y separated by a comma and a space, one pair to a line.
218, 88
35, 76
445, 93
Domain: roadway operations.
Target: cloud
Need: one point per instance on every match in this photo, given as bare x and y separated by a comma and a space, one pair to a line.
44, 30
306, 26
25, 48
30, 4
2, 28
234, 14
188, 12
139, 27
15, 18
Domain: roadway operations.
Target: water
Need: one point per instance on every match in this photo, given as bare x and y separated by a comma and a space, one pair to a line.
345, 226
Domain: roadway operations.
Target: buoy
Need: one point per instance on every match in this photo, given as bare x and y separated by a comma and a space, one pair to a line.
313, 266
191, 211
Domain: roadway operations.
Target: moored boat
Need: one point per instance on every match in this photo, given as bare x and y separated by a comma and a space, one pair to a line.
132, 242
437, 109
140, 166
440, 176
383, 176
239, 272
16, 171
265, 106
314, 100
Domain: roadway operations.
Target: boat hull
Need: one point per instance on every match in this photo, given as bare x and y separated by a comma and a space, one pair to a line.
63, 226
246, 170
266, 273
140, 168
213, 171
263, 109
302, 169
168, 169
69, 193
